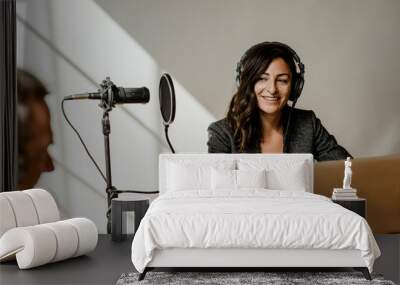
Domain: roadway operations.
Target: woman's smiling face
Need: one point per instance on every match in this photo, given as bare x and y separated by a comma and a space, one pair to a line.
273, 88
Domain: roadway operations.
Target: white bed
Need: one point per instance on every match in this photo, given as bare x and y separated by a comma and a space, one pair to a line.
215, 211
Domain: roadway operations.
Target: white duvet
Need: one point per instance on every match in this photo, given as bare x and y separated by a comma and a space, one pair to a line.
251, 218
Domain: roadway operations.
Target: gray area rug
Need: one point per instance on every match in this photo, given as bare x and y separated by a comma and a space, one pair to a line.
229, 278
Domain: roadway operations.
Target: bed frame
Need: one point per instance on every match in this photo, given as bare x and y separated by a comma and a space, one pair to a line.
248, 259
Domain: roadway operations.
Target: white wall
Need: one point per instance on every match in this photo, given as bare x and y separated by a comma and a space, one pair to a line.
350, 49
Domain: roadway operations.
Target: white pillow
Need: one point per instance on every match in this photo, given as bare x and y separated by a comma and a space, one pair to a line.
251, 178
223, 179
183, 177
236, 179
281, 175
186, 175
293, 179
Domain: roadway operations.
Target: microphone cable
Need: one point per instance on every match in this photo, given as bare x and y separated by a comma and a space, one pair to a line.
83, 143
287, 132
93, 160
166, 135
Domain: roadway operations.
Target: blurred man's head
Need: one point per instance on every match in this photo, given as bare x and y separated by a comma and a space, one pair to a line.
34, 130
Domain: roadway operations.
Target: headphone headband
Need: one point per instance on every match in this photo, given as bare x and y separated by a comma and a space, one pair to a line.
300, 70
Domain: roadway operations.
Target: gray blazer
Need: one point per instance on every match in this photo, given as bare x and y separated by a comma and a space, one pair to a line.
307, 135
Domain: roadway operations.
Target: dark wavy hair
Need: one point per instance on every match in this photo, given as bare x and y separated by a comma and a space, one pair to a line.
243, 113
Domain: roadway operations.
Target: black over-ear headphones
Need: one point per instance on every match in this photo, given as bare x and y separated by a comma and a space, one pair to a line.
299, 77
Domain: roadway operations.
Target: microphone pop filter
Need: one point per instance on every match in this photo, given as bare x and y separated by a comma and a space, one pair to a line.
167, 99
167, 104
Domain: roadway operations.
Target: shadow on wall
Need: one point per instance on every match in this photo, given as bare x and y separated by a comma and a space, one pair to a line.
59, 49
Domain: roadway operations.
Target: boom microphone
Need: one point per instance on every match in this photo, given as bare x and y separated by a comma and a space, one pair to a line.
120, 95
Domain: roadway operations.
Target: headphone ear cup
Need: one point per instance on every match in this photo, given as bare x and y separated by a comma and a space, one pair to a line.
294, 93
300, 85
297, 88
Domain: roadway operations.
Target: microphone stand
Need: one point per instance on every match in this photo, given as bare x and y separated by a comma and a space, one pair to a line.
107, 107
107, 103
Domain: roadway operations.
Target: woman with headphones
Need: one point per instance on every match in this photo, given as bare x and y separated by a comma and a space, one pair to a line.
259, 120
